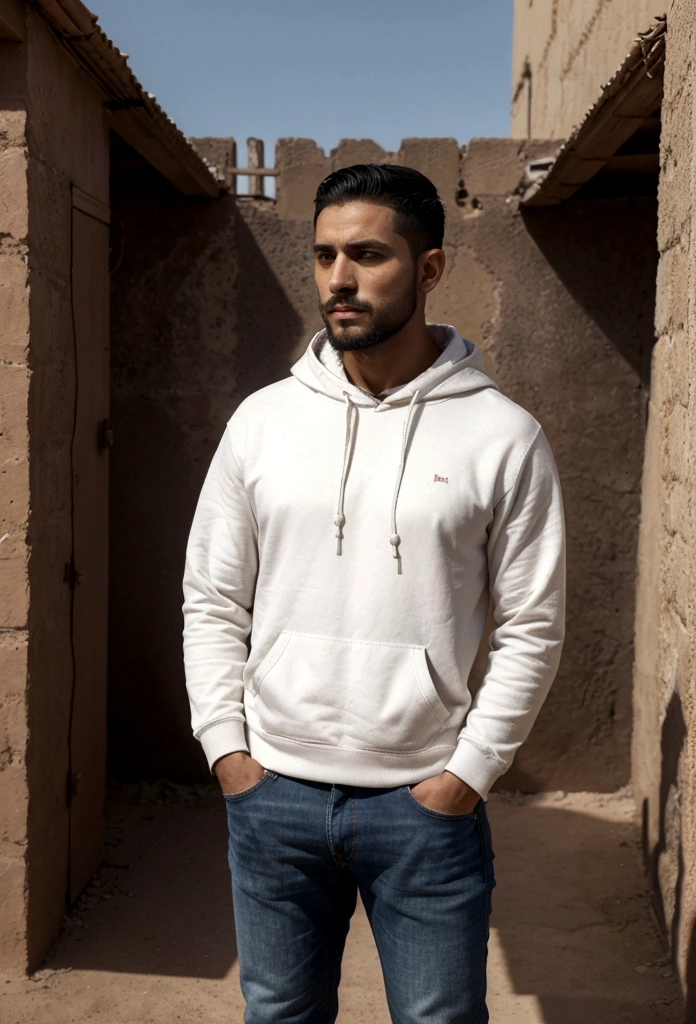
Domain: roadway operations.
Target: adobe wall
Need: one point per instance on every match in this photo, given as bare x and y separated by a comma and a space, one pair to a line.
215, 299
664, 748
14, 504
571, 49
39, 89
58, 93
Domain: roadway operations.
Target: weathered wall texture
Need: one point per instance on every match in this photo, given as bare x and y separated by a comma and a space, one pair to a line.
14, 511
664, 750
40, 90
57, 94
563, 51
215, 299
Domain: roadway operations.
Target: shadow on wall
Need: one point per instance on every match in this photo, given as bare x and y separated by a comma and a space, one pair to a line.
586, 298
596, 256
192, 300
665, 861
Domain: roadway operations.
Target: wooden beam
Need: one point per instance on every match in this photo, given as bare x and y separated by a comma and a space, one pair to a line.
633, 163
268, 172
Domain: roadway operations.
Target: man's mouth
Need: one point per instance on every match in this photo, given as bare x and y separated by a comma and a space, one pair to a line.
346, 312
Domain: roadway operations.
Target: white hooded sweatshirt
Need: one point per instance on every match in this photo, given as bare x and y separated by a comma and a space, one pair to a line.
338, 573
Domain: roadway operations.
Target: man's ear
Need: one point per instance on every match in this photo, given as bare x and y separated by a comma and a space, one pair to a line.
431, 266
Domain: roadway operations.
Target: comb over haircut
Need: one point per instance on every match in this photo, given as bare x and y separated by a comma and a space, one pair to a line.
420, 213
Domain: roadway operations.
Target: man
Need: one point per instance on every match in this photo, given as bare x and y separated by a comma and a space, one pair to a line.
354, 520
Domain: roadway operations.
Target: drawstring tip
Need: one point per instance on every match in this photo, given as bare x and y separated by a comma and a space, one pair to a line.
339, 523
395, 540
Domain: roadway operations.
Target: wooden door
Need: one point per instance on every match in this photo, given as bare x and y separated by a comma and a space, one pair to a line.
88, 569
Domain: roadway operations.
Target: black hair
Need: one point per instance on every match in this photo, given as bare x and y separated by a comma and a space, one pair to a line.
420, 213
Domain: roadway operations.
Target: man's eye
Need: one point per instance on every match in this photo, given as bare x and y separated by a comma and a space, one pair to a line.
324, 257
367, 255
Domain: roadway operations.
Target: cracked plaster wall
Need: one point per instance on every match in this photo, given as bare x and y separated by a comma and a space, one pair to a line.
664, 747
214, 299
571, 49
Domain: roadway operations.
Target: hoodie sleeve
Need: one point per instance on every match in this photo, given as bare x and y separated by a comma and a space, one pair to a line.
526, 563
219, 583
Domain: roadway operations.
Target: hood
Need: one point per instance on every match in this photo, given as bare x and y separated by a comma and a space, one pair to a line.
461, 371
457, 370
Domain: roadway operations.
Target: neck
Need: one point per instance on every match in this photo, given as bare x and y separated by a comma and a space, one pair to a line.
393, 362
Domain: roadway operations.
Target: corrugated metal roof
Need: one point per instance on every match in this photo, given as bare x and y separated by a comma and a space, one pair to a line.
133, 113
632, 95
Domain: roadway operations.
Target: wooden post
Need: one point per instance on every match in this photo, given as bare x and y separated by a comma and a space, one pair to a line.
255, 159
231, 155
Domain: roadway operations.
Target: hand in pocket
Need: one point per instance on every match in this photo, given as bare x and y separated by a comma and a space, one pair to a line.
237, 772
446, 793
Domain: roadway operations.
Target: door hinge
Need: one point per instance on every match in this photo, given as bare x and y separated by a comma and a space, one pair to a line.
71, 575
73, 784
106, 434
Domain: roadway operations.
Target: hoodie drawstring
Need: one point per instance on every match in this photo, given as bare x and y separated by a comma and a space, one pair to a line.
339, 518
395, 539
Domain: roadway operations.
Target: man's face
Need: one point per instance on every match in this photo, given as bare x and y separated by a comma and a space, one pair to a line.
365, 275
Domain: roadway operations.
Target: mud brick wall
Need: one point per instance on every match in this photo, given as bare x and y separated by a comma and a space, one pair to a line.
664, 747
562, 52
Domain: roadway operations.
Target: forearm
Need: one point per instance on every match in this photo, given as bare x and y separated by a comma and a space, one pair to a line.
526, 556
219, 582
504, 711
215, 653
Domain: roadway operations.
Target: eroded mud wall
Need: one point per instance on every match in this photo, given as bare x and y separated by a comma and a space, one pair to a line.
41, 89
563, 51
14, 511
664, 749
215, 299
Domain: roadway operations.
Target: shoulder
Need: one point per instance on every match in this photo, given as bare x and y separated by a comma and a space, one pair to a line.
510, 418
505, 437
258, 403
501, 429
260, 412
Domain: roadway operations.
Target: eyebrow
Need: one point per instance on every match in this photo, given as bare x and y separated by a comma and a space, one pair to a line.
363, 243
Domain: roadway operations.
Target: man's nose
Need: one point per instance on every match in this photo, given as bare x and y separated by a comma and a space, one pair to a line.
342, 276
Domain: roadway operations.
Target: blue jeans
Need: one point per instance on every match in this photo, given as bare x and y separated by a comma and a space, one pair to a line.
299, 852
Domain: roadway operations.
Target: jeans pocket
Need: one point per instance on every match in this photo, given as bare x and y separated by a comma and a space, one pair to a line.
235, 798
430, 813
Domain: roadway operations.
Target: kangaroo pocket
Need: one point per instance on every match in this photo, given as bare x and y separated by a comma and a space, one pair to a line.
348, 693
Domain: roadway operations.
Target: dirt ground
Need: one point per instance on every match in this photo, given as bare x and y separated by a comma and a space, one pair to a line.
573, 939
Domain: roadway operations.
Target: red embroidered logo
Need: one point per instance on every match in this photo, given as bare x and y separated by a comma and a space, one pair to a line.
440, 479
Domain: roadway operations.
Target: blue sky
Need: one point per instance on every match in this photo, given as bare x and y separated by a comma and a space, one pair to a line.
380, 69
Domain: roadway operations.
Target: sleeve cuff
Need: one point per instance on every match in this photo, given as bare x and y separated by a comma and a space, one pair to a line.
475, 766
223, 738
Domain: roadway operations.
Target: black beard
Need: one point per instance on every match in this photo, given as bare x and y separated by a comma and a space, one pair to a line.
379, 331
